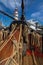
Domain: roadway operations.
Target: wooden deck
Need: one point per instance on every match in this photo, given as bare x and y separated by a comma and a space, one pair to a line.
28, 60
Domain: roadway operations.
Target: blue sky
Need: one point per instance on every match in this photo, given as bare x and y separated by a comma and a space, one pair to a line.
33, 10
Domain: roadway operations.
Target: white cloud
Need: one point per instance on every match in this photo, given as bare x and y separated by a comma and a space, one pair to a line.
40, 6
11, 4
36, 14
39, 14
4, 2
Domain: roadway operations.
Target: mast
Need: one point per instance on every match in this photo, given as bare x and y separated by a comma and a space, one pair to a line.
22, 6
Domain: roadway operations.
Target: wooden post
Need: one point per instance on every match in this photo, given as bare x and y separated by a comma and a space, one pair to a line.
20, 44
